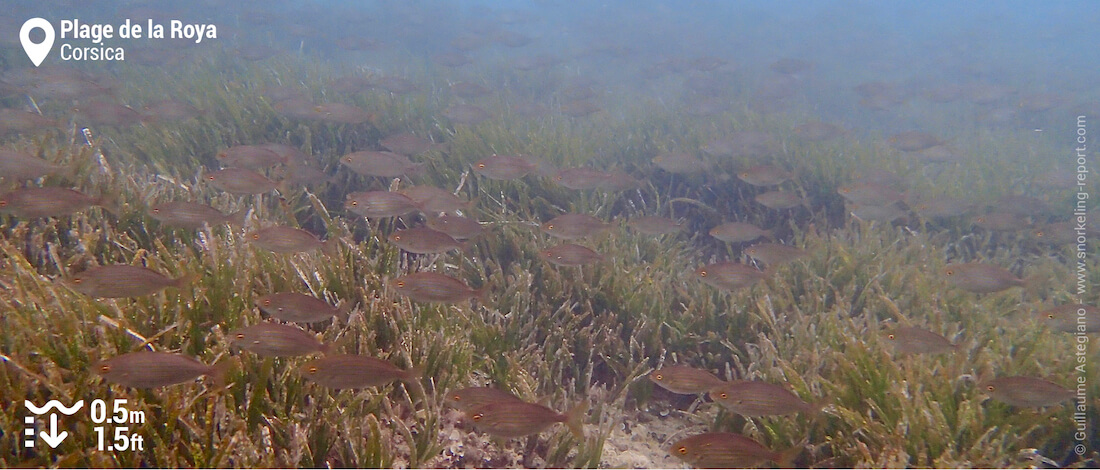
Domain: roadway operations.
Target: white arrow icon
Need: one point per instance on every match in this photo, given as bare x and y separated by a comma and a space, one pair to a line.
37, 52
53, 438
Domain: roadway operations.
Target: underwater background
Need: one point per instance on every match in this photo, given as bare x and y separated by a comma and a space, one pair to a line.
824, 234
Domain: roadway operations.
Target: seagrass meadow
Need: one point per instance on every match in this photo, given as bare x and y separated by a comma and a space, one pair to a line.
924, 317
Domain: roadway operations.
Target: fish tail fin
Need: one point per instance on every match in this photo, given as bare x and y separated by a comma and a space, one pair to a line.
325, 348
237, 219
482, 293
769, 234
185, 280
109, 204
414, 373
283, 187
343, 312
219, 372
412, 378
786, 458
1031, 284
331, 247
574, 419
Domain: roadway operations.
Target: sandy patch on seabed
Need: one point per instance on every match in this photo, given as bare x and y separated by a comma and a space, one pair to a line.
639, 440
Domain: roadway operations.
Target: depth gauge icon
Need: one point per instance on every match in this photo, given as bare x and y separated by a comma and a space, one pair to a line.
52, 438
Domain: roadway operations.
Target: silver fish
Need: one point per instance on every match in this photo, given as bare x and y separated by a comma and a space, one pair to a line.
373, 204
193, 215
122, 280
424, 241
513, 418
568, 254
282, 239
352, 371
47, 202
912, 340
240, 181
728, 450
1027, 392
382, 164
755, 398
729, 276
298, 308
473, 397
685, 380
276, 340
252, 157
435, 287
981, 278
148, 369
504, 167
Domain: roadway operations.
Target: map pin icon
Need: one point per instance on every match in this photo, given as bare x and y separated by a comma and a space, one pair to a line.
36, 52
